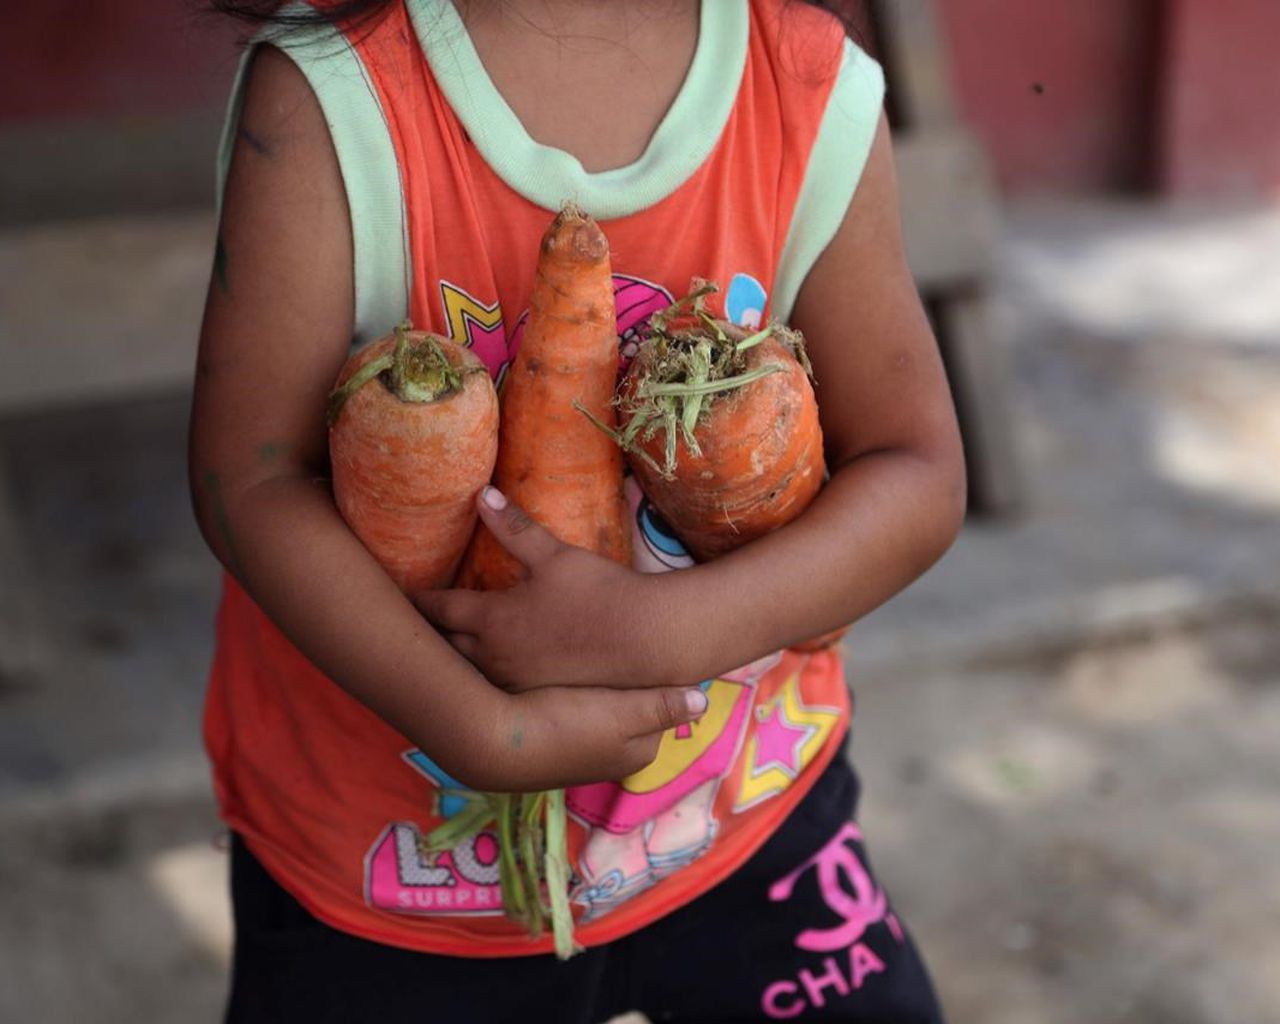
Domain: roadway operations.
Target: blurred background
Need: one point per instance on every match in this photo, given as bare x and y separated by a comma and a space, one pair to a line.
1069, 730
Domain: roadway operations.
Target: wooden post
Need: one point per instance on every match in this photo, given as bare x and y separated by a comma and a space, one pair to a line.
24, 647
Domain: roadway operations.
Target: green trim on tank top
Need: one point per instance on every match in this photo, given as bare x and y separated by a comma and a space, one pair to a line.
366, 158
548, 176
371, 176
836, 162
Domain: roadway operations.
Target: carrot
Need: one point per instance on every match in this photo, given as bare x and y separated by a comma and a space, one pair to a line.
551, 462
721, 428
567, 476
413, 435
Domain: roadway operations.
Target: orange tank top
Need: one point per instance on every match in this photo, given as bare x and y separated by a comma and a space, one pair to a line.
743, 184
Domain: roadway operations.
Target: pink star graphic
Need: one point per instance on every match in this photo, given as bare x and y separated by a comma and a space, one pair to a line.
779, 742
489, 343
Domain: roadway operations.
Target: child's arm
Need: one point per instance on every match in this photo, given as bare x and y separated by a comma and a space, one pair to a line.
896, 498
894, 503
276, 330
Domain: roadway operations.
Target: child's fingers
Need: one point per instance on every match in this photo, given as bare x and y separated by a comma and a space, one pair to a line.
514, 530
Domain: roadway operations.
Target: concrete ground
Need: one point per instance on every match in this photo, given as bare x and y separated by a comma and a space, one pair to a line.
1068, 730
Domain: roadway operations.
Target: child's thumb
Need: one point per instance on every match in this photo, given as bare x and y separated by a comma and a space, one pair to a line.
664, 708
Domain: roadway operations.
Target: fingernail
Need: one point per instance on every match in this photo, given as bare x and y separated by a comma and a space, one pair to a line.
696, 701
494, 498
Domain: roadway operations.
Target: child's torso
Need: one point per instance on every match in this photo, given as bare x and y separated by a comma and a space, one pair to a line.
332, 800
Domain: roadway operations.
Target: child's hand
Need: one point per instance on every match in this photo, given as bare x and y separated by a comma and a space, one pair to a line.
557, 736
577, 619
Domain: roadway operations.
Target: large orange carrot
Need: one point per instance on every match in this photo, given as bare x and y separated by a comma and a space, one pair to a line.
552, 462
721, 428
413, 435
567, 476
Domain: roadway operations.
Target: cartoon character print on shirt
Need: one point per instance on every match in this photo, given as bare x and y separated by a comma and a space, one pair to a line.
401, 877
660, 818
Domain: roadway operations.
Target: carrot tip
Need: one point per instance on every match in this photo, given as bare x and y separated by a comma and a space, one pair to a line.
575, 235
569, 210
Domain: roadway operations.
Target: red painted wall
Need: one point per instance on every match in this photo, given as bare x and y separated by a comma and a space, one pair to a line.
1083, 96
71, 59
1061, 93
1220, 100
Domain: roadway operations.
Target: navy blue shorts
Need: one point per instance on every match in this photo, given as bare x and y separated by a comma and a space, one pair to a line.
801, 932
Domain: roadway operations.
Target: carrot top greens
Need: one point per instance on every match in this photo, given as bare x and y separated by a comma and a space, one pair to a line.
417, 370
530, 833
689, 359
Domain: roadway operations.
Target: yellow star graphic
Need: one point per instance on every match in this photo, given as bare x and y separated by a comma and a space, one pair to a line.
785, 737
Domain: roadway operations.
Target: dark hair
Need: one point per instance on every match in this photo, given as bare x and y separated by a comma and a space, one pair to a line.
366, 12
270, 12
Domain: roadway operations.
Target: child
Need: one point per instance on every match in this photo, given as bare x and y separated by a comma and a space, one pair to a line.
405, 162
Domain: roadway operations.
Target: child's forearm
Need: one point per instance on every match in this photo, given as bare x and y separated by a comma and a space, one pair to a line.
582, 620
896, 498
285, 542
880, 522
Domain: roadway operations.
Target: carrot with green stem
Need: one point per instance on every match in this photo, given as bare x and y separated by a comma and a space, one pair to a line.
413, 436
720, 426
568, 477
